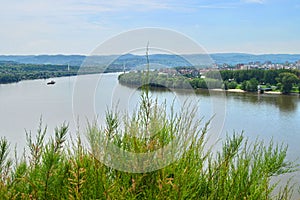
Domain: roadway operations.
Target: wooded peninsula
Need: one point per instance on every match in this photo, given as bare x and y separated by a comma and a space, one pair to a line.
281, 80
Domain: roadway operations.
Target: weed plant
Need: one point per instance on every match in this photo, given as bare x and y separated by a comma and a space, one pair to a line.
54, 169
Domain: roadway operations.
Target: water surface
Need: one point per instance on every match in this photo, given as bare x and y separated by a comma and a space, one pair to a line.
74, 99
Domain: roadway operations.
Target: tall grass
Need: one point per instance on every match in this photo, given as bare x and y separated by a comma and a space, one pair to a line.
55, 169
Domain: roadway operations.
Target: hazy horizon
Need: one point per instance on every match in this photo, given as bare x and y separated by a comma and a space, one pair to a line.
59, 54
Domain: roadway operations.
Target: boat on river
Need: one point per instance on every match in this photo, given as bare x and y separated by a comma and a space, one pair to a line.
52, 82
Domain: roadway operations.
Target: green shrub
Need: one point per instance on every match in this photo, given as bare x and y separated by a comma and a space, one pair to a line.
55, 170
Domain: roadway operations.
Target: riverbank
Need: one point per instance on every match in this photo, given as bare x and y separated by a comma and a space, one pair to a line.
242, 91
272, 92
162, 88
16, 72
229, 90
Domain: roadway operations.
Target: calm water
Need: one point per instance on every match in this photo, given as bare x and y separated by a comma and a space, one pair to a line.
74, 99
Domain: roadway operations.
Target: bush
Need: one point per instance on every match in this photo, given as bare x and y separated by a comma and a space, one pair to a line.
232, 85
287, 80
250, 86
54, 170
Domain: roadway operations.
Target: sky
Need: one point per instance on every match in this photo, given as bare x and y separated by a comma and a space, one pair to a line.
79, 26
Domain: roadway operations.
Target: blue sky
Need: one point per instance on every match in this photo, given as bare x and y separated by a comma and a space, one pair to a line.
78, 26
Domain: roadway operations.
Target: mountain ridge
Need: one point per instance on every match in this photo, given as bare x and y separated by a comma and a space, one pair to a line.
218, 58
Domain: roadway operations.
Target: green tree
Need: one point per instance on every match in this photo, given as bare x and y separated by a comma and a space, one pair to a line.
213, 75
270, 76
243, 85
251, 85
226, 74
287, 80
232, 85
225, 85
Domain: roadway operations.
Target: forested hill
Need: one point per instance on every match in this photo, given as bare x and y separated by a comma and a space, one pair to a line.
45, 59
236, 58
220, 58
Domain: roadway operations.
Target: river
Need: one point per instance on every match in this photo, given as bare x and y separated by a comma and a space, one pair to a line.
74, 99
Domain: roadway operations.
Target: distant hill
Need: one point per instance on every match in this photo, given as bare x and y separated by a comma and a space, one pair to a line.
236, 58
162, 59
46, 59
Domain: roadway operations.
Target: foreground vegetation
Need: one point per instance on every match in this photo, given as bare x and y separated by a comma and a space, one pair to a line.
57, 169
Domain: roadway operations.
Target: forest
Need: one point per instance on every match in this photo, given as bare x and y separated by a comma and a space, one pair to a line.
284, 80
11, 72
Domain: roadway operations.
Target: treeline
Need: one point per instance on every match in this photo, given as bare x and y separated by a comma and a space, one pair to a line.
157, 79
11, 72
15, 72
247, 80
263, 76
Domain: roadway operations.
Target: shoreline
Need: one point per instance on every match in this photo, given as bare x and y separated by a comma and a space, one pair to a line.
229, 90
275, 93
62, 76
240, 91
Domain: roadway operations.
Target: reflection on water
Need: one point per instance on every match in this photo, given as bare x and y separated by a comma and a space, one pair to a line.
288, 103
285, 103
